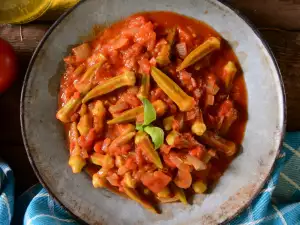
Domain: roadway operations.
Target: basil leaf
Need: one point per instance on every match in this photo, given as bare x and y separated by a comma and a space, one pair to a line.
156, 134
139, 127
149, 112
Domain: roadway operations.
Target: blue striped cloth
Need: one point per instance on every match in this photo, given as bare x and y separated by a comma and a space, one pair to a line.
278, 203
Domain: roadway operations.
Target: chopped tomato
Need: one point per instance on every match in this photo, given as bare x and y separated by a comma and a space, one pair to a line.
184, 35
156, 94
187, 80
98, 147
178, 122
130, 163
183, 179
156, 181
72, 145
82, 52
173, 108
144, 66
105, 144
81, 141
120, 43
153, 61
122, 170
146, 36
87, 141
165, 148
137, 22
76, 95
74, 117
114, 179
197, 152
168, 162
140, 160
70, 60
191, 115
125, 149
84, 154
90, 137
133, 51
225, 107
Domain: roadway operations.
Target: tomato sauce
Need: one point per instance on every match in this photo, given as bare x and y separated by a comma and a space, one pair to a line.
215, 84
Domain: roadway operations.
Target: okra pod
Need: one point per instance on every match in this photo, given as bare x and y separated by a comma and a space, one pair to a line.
181, 141
133, 194
76, 161
165, 193
167, 122
219, 143
200, 52
98, 112
85, 82
129, 181
172, 136
199, 126
83, 110
122, 140
85, 124
164, 55
99, 182
199, 187
179, 192
229, 119
67, 110
97, 159
125, 79
182, 100
143, 140
145, 86
229, 73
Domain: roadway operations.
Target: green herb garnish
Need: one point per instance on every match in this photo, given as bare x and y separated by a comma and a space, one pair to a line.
156, 133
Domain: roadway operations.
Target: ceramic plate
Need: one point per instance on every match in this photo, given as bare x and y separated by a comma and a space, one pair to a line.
44, 136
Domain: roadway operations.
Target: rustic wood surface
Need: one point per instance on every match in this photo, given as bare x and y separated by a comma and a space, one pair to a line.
277, 20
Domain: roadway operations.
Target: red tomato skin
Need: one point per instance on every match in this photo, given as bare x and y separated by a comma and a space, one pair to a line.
157, 181
8, 65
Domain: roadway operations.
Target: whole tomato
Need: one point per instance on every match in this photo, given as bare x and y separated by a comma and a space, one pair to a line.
8, 65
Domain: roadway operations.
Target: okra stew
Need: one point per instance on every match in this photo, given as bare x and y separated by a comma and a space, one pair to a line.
155, 108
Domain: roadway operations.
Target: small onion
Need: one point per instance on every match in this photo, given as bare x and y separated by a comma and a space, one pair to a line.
210, 99
82, 52
196, 163
215, 89
175, 160
182, 50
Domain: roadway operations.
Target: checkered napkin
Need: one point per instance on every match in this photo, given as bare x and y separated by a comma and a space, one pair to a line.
278, 203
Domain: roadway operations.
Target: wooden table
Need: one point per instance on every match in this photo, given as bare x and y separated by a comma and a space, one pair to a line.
277, 20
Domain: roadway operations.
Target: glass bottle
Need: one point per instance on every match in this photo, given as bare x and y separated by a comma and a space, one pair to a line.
24, 11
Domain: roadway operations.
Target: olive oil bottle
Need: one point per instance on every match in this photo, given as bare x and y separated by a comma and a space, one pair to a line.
23, 11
